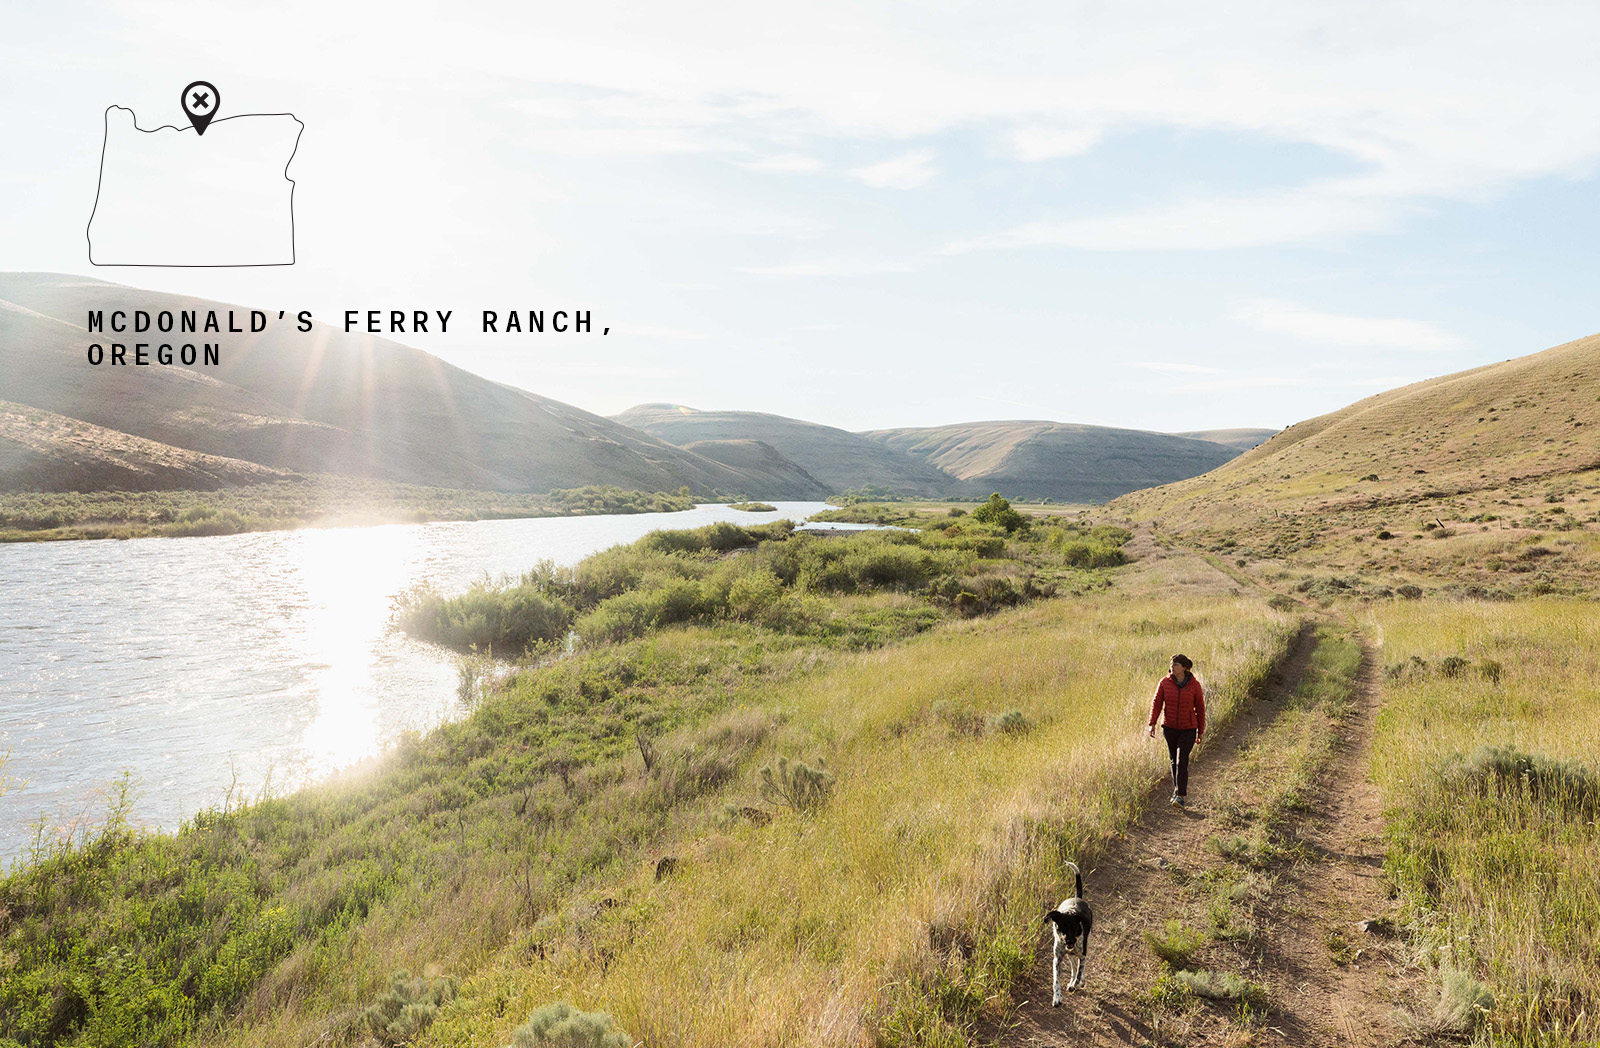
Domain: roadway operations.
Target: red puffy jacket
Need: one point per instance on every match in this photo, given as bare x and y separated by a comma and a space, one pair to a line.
1180, 706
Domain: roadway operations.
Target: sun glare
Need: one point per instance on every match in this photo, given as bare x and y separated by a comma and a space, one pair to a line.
347, 576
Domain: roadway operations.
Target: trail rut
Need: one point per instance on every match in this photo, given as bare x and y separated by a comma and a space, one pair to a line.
1298, 925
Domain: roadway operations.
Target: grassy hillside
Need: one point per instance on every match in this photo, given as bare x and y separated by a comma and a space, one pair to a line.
1470, 435
326, 402
836, 458
1056, 460
43, 451
1484, 483
758, 458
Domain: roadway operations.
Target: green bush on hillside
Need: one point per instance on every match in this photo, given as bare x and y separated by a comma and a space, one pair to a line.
998, 511
797, 784
661, 600
560, 1025
406, 1008
1079, 553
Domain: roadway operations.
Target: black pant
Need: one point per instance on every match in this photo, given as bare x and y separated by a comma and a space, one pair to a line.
1179, 742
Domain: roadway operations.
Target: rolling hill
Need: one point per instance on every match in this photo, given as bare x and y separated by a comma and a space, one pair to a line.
1030, 459
759, 458
1071, 463
1531, 420
836, 458
325, 402
43, 451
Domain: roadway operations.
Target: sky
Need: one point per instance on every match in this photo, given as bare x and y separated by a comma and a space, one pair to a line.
1162, 216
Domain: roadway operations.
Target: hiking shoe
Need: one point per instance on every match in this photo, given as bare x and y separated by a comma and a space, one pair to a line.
1175, 799
1182, 802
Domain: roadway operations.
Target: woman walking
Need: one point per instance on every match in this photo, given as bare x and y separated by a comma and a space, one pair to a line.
1180, 704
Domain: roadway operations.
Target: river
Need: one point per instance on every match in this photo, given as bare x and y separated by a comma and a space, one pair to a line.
196, 663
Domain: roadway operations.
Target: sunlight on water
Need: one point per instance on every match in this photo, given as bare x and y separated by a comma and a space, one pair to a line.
266, 656
349, 579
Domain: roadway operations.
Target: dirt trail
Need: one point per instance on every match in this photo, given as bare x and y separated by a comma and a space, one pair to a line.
1298, 930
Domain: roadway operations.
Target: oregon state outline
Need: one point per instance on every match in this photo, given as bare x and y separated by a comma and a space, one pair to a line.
171, 196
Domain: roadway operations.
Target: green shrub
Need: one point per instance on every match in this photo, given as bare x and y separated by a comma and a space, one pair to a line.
980, 594
560, 1025
1084, 553
1011, 722
1567, 786
998, 511
1111, 535
866, 562
753, 592
797, 784
1464, 1002
502, 619
406, 1008
1176, 945
659, 601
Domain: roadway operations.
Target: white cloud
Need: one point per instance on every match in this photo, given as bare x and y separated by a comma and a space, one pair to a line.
1313, 212
831, 267
1242, 382
656, 331
1176, 369
907, 171
783, 164
1432, 99
1297, 321
1034, 143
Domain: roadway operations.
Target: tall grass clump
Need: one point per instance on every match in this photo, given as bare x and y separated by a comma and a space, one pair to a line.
1493, 786
505, 618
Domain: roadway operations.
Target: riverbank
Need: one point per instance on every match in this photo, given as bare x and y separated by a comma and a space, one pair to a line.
318, 501
496, 850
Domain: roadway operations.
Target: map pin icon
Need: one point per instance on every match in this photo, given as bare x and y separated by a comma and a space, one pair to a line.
200, 101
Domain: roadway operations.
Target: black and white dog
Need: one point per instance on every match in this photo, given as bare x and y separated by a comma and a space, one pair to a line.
1072, 921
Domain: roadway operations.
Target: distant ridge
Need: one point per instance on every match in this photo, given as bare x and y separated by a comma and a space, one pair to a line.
1243, 439
324, 402
284, 402
1057, 460
836, 458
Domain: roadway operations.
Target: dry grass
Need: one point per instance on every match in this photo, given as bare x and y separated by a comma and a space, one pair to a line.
1501, 872
912, 896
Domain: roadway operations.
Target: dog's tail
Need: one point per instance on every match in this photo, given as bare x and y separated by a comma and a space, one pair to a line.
1077, 892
